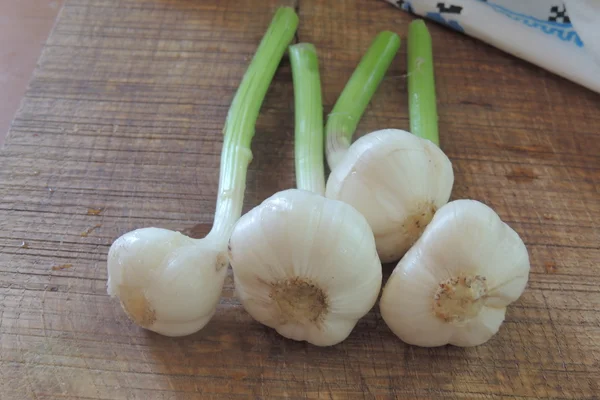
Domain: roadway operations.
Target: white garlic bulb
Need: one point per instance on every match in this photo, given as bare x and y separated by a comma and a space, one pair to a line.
397, 181
167, 282
454, 284
306, 266
170, 283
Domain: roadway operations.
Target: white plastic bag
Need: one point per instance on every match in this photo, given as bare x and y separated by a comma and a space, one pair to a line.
539, 31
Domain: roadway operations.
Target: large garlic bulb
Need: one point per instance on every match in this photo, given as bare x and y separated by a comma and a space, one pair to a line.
397, 181
306, 266
167, 282
454, 284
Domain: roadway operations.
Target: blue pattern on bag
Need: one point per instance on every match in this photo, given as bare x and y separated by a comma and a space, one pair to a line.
437, 17
561, 30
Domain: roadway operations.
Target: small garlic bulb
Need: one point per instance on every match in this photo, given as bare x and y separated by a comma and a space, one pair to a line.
306, 266
397, 181
454, 284
167, 282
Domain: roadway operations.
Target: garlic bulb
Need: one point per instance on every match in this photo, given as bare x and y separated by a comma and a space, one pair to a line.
167, 282
397, 181
170, 283
305, 266
454, 284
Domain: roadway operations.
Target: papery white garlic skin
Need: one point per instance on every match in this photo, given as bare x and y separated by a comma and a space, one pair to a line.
306, 266
167, 282
483, 264
397, 181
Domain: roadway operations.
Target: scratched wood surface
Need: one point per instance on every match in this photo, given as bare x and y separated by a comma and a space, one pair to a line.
121, 128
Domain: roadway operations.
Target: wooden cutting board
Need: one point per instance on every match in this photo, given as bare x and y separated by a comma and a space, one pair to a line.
121, 128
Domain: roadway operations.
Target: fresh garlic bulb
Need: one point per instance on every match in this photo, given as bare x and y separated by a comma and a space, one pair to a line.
397, 181
305, 266
167, 282
454, 284
170, 283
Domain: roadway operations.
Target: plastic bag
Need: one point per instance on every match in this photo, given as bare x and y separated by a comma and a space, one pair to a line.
539, 31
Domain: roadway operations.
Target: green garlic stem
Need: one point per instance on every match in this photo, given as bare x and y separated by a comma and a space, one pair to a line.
308, 140
241, 120
421, 84
350, 106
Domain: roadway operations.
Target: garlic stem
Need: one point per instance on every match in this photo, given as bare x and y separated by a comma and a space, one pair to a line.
241, 119
421, 83
350, 106
309, 118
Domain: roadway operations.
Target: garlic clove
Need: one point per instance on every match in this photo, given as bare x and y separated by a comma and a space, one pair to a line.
323, 335
480, 329
306, 266
463, 272
406, 305
397, 181
342, 301
166, 282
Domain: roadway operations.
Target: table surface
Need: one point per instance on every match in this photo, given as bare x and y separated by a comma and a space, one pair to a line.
121, 128
25, 25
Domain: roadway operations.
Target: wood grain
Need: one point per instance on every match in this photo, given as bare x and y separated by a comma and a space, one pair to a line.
124, 115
